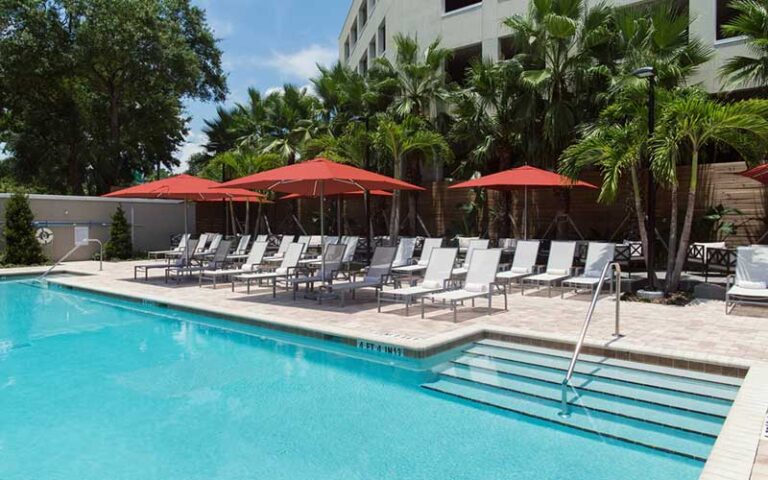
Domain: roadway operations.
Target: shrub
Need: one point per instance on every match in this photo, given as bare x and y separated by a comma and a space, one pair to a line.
119, 246
21, 246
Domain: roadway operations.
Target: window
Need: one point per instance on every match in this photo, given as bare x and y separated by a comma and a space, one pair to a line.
363, 67
362, 15
453, 5
506, 48
456, 67
724, 15
353, 35
346, 49
383, 37
372, 50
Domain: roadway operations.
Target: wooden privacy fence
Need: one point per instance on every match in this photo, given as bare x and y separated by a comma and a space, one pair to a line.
440, 209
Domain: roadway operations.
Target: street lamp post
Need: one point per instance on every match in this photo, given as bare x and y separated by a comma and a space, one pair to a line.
649, 73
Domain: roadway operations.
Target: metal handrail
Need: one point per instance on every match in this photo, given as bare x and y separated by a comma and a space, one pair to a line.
72, 251
565, 410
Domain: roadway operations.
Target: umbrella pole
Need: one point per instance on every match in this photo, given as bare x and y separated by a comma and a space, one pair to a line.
322, 230
525, 213
368, 230
339, 206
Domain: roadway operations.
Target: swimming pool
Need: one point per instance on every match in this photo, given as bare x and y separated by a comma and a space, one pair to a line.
94, 387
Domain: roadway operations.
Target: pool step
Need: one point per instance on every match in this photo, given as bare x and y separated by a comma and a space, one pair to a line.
679, 443
677, 380
676, 411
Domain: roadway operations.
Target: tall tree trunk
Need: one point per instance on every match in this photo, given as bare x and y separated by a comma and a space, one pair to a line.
685, 234
674, 213
394, 218
505, 162
639, 209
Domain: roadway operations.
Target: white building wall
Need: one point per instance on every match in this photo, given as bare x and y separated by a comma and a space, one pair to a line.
483, 24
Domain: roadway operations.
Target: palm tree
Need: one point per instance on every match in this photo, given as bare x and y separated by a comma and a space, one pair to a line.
690, 122
751, 21
487, 119
398, 141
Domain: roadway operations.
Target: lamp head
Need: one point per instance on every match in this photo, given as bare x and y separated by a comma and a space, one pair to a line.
645, 72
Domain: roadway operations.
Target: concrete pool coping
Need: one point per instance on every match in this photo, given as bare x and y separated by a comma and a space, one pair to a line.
736, 451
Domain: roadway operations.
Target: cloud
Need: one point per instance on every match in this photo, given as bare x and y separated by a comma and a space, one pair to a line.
193, 143
302, 64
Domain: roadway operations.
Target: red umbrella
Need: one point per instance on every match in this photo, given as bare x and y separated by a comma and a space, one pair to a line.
375, 193
320, 177
759, 173
187, 188
523, 178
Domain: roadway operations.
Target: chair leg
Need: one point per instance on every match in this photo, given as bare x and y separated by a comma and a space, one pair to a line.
422, 307
455, 307
378, 303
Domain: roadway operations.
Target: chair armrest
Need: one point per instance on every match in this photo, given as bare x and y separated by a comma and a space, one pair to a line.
730, 280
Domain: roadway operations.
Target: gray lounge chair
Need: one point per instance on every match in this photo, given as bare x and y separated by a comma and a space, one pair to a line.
472, 246
435, 279
181, 261
480, 282
376, 276
217, 261
282, 273
251, 265
324, 272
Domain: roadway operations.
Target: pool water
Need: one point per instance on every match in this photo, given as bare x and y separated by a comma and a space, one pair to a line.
98, 388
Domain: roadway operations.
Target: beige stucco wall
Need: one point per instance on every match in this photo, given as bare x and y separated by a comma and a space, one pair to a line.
153, 221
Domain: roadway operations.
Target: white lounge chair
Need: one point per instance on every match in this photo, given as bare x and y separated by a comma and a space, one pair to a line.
435, 279
598, 256
286, 269
178, 250
333, 254
480, 282
262, 238
472, 246
251, 265
217, 261
464, 243
242, 245
421, 265
750, 284
213, 247
404, 254
181, 261
376, 276
559, 267
277, 257
523, 264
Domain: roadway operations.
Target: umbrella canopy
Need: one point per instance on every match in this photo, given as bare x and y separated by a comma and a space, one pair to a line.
523, 178
184, 187
759, 173
375, 193
319, 177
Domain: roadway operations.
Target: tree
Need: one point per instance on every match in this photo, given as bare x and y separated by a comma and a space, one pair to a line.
751, 21
690, 122
397, 141
120, 246
21, 247
93, 90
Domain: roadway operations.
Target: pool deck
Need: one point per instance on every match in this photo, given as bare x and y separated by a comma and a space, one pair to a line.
700, 333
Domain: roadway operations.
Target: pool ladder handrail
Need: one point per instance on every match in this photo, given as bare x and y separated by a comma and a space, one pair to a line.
615, 268
72, 251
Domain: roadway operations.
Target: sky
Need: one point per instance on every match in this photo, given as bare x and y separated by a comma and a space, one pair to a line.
266, 43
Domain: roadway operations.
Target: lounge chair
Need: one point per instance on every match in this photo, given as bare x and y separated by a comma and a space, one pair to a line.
277, 257
750, 284
435, 279
251, 265
306, 275
404, 254
262, 238
464, 243
480, 282
559, 266
598, 256
181, 261
283, 272
179, 248
523, 264
472, 246
202, 241
242, 245
217, 261
213, 247
376, 276
421, 265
